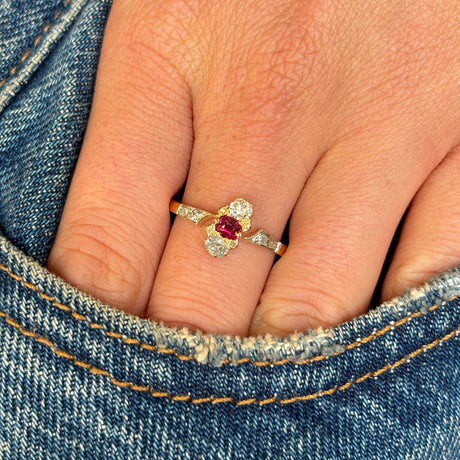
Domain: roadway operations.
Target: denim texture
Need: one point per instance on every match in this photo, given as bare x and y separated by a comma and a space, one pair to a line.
46, 81
82, 380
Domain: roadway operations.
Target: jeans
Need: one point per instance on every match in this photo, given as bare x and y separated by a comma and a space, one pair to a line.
82, 380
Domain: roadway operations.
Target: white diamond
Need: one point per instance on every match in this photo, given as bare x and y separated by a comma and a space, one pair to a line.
216, 246
261, 237
240, 209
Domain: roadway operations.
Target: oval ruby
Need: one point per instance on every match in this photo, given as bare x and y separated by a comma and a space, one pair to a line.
228, 227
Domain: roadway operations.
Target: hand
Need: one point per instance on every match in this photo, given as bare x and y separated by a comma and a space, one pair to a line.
337, 115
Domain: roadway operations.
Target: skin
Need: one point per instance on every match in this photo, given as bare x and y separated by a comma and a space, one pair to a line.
339, 115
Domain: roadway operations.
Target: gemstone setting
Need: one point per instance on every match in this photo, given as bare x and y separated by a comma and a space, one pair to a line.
216, 246
240, 209
229, 223
228, 227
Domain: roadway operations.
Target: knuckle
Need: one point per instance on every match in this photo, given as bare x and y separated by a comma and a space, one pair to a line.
266, 65
301, 311
308, 298
150, 38
100, 263
103, 265
274, 81
410, 272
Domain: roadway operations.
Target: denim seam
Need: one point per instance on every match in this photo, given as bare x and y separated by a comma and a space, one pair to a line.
132, 341
32, 59
226, 399
37, 40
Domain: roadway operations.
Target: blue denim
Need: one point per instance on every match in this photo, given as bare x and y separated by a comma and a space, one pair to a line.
82, 380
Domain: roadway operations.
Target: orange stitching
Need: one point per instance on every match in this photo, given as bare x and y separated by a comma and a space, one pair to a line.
170, 351
218, 400
37, 40
25, 55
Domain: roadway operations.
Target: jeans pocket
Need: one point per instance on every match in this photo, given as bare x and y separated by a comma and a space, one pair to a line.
29, 32
79, 379
49, 51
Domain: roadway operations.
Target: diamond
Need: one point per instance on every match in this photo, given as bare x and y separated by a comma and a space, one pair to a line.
228, 227
195, 215
240, 209
216, 246
262, 238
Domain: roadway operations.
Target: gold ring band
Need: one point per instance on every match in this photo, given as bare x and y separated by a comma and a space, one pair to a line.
226, 227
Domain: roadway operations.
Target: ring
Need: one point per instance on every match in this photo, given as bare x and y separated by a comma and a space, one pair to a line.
227, 227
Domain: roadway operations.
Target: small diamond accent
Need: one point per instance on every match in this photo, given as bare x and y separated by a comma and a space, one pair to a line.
195, 215
216, 246
262, 238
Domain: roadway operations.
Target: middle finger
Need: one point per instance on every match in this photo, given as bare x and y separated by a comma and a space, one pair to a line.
250, 142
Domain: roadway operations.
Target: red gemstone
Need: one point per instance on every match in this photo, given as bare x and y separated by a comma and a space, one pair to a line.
228, 227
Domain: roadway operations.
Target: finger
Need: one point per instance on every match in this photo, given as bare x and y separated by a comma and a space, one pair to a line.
429, 241
340, 232
134, 157
241, 152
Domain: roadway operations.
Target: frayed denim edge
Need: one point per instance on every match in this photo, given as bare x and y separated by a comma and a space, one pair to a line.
219, 349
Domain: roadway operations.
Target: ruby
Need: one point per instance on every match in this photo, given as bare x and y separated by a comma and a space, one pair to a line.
228, 227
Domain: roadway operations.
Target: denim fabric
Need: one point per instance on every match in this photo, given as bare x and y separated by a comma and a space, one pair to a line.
81, 380
46, 81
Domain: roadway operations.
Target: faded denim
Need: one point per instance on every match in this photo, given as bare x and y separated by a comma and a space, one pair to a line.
81, 380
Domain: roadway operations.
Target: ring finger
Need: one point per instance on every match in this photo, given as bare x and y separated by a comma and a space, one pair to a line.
240, 150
